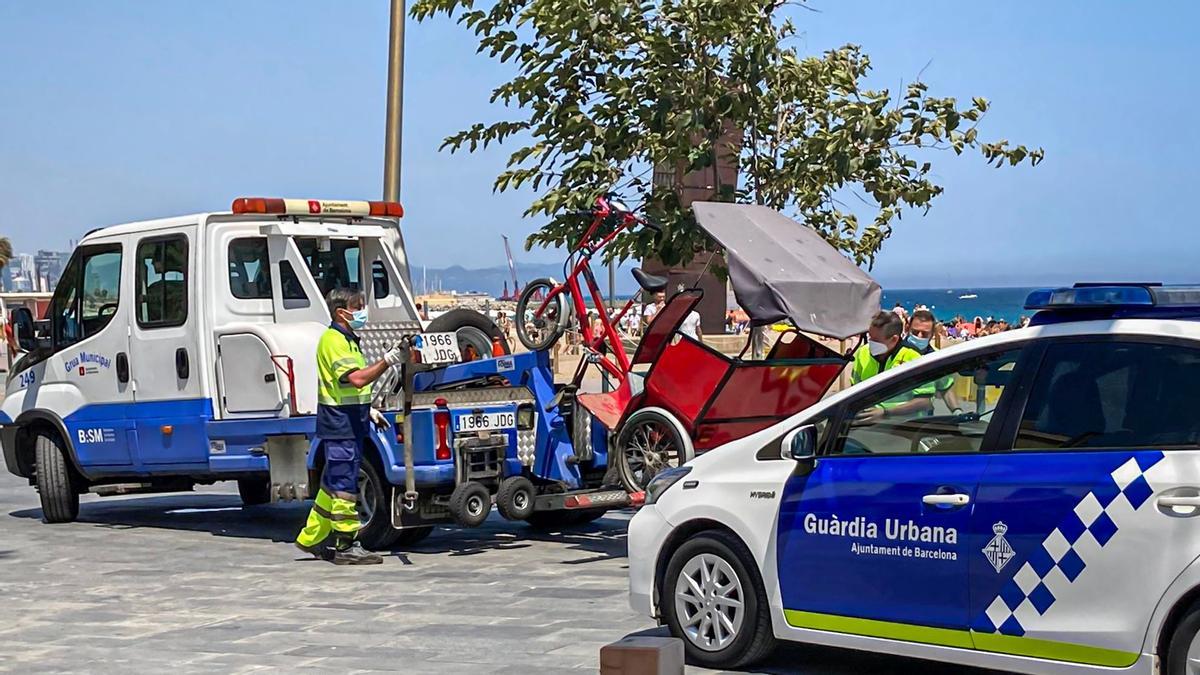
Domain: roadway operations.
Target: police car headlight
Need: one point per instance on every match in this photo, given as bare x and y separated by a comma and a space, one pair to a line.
660, 483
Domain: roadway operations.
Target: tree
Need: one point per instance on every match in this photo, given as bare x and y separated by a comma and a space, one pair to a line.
6, 252
608, 90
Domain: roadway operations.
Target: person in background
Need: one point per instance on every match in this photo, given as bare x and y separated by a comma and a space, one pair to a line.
921, 329
505, 325
899, 311
652, 309
884, 350
691, 326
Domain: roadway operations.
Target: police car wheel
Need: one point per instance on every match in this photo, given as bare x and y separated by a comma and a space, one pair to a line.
713, 599
470, 504
1183, 652
60, 500
514, 499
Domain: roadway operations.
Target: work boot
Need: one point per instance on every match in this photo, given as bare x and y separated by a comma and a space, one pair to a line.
321, 551
354, 554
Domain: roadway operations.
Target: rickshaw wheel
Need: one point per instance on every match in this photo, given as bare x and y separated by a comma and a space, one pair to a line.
648, 443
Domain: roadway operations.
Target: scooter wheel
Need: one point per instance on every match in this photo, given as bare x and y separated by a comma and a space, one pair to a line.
514, 500
470, 504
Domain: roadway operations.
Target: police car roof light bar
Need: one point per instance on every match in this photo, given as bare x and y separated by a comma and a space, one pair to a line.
1114, 296
316, 207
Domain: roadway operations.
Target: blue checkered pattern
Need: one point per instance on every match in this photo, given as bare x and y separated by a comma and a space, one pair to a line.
1063, 555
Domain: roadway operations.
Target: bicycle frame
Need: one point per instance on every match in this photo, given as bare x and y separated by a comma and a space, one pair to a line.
609, 336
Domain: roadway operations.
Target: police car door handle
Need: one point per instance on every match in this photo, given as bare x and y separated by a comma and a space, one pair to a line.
1179, 501
955, 499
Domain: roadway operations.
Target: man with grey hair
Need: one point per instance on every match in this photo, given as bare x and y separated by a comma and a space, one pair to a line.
344, 414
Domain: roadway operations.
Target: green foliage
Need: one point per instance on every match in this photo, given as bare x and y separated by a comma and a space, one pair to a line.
606, 90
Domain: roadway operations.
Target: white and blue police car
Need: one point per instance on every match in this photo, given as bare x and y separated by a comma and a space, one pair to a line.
1029, 501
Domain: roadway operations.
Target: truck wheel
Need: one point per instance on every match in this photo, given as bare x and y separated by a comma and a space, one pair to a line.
713, 599
514, 500
474, 330
255, 491
411, 535
470, 504
60, 500
647, 444
374, 510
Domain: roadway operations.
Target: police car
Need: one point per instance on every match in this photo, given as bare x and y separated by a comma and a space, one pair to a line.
1052, 528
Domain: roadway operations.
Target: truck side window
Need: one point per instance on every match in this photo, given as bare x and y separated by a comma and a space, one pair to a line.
162, 265
88, 295
249, 273
1091, 395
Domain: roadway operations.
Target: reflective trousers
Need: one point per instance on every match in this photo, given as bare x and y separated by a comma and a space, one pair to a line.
335, 508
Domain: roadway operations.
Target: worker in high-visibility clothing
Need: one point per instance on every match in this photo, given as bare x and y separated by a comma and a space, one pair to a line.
884, 350
344, 414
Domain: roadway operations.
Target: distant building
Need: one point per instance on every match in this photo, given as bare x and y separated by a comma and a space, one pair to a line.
48, 268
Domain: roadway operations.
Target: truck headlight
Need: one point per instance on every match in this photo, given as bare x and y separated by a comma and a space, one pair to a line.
664, 480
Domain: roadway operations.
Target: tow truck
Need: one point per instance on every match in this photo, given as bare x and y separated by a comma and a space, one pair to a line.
179, 351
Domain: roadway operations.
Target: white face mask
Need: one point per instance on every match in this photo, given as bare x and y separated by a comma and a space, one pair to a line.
877, 348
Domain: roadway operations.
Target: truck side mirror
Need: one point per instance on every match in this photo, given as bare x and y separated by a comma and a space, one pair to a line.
23, 329
800, 445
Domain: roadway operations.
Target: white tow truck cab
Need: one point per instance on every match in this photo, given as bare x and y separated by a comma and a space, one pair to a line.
182, 350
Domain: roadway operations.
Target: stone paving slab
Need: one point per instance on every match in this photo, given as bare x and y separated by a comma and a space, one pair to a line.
193, 582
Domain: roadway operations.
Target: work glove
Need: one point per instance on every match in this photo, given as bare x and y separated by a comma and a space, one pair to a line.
394, 356
379, 420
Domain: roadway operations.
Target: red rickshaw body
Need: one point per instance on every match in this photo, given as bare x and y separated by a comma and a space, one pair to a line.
715, 397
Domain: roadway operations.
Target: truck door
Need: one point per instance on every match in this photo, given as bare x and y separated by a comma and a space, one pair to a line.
874, 540
86, 378
170, 410
1083, 524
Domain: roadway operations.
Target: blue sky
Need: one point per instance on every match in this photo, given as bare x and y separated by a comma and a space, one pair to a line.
115, 111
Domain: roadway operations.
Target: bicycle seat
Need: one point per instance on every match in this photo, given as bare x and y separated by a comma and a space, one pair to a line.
649, 282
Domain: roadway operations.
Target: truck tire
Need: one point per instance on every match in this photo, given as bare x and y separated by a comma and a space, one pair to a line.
470, 504
514, 499
474, 330
374, 510
254, 491
60, 500
411, 535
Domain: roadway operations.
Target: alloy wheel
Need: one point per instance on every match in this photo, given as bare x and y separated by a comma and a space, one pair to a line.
709, 602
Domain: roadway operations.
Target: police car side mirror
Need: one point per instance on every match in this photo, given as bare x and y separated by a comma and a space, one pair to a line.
23, 329
800, 444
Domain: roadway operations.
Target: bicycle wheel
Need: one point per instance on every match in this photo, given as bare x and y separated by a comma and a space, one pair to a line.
540, 330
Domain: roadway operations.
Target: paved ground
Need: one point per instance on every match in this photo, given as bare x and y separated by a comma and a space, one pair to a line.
193, 583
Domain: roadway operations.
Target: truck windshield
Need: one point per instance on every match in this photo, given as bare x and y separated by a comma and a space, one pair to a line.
339, 266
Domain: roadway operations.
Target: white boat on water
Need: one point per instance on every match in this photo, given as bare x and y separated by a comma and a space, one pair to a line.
968, 296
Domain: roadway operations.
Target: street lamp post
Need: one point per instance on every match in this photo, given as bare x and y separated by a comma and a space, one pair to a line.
395, 104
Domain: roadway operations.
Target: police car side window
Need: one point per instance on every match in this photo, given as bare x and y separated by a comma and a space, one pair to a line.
947, 410
1109, 394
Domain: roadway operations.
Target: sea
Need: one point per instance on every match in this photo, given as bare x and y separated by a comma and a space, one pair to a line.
947, 303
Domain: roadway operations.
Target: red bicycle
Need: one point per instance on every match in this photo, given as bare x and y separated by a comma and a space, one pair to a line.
542, 316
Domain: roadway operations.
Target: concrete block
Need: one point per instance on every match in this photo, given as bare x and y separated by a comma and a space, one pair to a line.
638, 655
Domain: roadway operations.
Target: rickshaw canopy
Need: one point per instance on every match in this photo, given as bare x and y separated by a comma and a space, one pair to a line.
783, 270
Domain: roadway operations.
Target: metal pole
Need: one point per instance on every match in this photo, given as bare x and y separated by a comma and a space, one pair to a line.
395, 105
